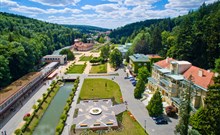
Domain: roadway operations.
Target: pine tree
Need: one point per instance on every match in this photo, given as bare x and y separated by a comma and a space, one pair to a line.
206, 120
140, 87
155, 106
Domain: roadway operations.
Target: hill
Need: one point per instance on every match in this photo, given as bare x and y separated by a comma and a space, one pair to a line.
23, 42
87, 28
194, 37
128, 29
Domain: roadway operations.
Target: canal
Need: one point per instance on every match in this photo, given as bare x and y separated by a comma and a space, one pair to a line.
51, 117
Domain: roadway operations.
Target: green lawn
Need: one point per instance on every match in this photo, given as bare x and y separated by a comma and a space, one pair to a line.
102, 68
74, 69
85, 58
100, 88
130, 127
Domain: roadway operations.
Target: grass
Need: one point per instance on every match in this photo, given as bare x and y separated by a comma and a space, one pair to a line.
41, 111
85, 58
76, 69
102, 68
130, 127
100, 88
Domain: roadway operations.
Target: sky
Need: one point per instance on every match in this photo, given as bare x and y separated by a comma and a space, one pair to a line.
102, 13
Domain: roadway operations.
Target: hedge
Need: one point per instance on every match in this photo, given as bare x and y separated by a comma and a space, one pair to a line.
37, 107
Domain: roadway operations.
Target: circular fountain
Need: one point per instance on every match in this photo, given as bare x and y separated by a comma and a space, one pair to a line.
95, 111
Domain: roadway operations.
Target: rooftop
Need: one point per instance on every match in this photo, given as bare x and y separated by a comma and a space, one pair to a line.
200, 76
176, 77
52, 56
164, 63
139, 58
164, 70
17, 85
181, 62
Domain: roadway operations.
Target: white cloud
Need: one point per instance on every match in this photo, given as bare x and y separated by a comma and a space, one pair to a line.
186, 4
117, 1
57, 3
35, 10
8, 3
139, 2
27, 10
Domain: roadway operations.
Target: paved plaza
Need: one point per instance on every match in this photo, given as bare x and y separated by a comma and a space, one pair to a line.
97, 114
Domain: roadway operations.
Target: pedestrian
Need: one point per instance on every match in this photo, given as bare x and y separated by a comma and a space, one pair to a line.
5, 132
2, 132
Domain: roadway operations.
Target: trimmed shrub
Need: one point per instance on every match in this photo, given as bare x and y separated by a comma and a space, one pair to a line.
18, 132
171, 111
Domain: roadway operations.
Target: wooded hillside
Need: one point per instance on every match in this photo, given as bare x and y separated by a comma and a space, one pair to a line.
23, 42
194, 37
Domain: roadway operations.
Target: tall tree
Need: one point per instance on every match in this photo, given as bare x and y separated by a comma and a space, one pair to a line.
217, 65
141, 43
139, 89
206, 120
69, 53
143, 74
155, 106
116, 58
105, 52
5, 76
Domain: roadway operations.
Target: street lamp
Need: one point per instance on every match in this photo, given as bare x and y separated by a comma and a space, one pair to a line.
145, 125
68, 131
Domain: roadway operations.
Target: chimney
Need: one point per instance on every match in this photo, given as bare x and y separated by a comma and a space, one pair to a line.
200, 73
167, 59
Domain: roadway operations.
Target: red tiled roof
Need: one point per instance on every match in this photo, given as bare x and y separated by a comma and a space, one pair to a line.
164, 63
82, 45
204, 81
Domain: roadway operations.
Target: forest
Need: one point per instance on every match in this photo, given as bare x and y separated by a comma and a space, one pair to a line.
124, 32
23, 42
194, 37
86, 29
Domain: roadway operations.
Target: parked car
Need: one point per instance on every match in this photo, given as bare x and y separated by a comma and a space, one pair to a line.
133, 83
132, 79
161, 121
125, 77
157, 117
130, 76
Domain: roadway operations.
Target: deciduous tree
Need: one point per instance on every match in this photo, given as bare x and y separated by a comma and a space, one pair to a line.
116, 58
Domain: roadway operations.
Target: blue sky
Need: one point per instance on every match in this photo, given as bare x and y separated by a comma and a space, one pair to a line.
101, 13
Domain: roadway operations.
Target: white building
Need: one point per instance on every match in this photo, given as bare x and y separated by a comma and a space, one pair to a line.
62, 59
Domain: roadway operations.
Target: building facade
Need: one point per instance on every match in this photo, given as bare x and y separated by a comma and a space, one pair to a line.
124, 48
13, 95
172, 77
137, 61
80, 46
62, 59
